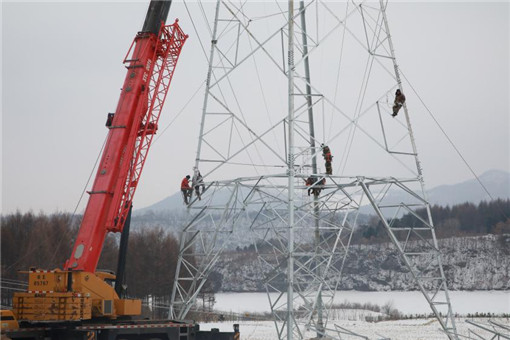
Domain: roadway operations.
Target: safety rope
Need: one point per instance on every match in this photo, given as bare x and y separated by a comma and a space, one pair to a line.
179, 113
338, 74
236, 100
196, 31
452, 143
263, 95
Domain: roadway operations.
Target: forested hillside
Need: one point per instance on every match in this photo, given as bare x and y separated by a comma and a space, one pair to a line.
475, 245
465, 219
42, 241
470, 263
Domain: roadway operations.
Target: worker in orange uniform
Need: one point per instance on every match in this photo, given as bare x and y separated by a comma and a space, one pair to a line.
328, 158
399, 102
186, 189
315, 185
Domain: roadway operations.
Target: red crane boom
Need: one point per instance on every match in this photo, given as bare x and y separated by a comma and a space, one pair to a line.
79, 292
150, 68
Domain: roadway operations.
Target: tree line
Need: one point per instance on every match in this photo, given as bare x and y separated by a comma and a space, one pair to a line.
45, 241
467, 219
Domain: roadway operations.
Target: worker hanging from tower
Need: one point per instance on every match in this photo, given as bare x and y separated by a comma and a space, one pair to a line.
315, 185
328, 158
197, 182
399, 102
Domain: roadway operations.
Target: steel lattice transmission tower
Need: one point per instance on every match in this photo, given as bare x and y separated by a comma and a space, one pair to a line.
281, 81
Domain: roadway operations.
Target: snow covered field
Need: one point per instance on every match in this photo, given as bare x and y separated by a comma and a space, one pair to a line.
409, 303
419, 329
463, 302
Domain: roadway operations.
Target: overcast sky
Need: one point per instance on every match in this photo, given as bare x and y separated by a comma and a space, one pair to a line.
62, 71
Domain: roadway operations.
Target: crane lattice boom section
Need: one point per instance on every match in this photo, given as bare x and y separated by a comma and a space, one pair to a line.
150, 64
167, 52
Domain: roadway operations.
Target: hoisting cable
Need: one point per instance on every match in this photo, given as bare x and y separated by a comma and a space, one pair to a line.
264, 100
196, 31
242, 117
90, 176
30, 252
357, 111
451, 143
81, 196
205, 17
179, 113
338, 75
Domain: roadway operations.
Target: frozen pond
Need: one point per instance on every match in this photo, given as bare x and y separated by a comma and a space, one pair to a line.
463, 302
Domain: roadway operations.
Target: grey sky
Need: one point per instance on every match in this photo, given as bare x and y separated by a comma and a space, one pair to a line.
62, 71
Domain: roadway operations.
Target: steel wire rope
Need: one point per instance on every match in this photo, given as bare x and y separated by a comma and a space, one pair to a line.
282, 12
203, 50
221, 93
261, 45
180, 112
362, 45
205, 17
81, 196
443, 131
297, 75
338, 75
353, 122
363, 90
228, 78
240, 10
362, 130
321, 77
68, 231
352, 131
196, 31
221, 57
268, 16
340, 23
334, 108
95, 164
226, 29
263, 95
224, 104
373, 29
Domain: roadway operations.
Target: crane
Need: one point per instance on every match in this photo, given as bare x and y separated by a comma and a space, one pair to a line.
81, 292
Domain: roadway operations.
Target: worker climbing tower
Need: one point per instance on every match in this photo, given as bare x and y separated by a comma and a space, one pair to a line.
283, 83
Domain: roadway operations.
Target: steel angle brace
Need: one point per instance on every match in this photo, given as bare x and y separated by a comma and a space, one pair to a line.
384, 136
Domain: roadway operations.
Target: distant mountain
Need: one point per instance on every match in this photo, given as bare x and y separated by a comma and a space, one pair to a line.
173, 202
497, 183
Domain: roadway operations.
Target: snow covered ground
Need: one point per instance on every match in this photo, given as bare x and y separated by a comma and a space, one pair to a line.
463, 302
409, 303
419, 329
